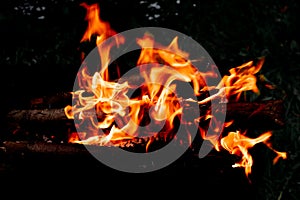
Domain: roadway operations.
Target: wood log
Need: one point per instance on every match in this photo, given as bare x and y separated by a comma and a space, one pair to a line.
264, 114
56, 100
24, 157
249, 114
45, 165
24, 147
137, 144
44, 159
37, 115
65, 149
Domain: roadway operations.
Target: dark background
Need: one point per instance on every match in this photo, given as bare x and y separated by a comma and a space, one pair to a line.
40, 55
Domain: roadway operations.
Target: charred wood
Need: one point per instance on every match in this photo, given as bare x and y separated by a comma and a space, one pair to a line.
264, 114
253, 114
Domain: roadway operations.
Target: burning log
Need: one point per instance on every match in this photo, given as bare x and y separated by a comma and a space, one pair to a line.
34, 151
28, 157
69, 158
65, 149
251, 114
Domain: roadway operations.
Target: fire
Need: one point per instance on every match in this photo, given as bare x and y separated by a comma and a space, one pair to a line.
241, 78
96, 25
239, 144
119, 116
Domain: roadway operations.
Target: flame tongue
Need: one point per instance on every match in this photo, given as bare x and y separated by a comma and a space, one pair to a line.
102, 31
96, 25
241, 78
169, 56
239, 144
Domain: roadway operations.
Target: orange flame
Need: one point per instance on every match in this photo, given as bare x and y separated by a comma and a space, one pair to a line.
239, 144
241, 78
103, 31
101, 102
96, 25
169, 56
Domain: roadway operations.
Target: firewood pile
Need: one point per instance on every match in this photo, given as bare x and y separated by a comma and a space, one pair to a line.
40, 131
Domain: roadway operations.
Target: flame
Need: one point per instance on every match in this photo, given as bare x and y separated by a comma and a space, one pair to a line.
96, 25
182, 67
105, 107
73, 137
241, 78
239, 144
279, 154
102, 31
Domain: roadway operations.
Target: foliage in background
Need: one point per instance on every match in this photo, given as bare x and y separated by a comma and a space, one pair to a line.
42, 37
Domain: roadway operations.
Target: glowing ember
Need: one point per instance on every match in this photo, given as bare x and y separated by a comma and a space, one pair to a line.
169, 63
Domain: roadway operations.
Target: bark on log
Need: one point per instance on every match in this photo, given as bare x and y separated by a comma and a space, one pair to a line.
65, 167
257, 114
43, 147
254, 114
42, 158
38, 115
56, 100
137, 145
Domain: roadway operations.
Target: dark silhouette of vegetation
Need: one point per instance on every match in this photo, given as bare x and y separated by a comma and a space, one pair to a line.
40, 54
